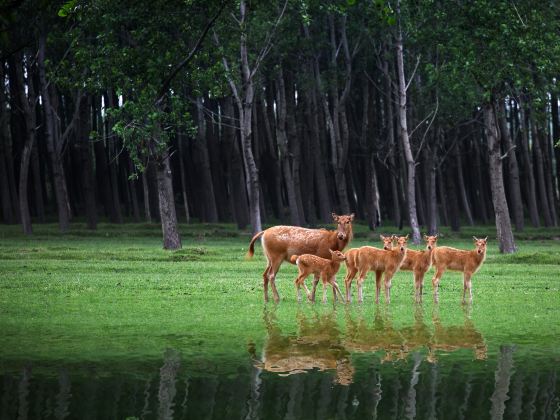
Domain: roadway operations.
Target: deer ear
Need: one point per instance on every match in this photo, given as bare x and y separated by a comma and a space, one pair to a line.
475, 238
406, 237
331, 251
425, 237
352, 217
486, 239
382, 237
335, 217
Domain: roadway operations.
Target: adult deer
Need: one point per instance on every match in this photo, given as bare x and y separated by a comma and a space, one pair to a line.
281, 242
468, 262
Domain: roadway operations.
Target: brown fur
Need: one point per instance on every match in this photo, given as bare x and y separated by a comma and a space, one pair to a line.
280, 243
419, 262
321, 268
468, 262
381, 261
352, 262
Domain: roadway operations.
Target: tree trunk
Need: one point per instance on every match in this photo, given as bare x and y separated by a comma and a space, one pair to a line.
539, 162
319, 173
432, 195
88, 177
461, 182
146, 191
171, 237
454, 216
37, 184
28, 104
513, 170
282, 140
180, 140
481, 183
442, 198
528, 166
53, 148
410, 163
556, 138
215, 156
113, 161
503, 224
210, 210
294, 145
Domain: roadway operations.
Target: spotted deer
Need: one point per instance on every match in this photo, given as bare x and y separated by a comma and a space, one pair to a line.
468, 262
281, 242
321, 268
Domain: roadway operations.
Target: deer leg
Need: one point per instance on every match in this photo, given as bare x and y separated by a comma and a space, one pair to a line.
435, 282
377, 285
315, 283
307, 290
324, 291
274, 266
418, 287
336, 289
299, 280
351, 273
467, 286
388, 277
265, 280
360, 285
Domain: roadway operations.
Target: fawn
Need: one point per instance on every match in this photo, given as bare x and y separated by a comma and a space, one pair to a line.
280, 243
321, 268
468, 262
378, 260
352, 263
419, 262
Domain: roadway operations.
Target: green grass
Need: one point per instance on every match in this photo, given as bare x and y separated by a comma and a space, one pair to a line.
114, 296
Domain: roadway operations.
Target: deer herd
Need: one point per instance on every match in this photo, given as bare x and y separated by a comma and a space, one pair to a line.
320, 252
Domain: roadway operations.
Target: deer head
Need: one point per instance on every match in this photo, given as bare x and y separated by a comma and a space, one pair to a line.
337, 255
387, 242
480, 244
344, 228
401, 243
431, 241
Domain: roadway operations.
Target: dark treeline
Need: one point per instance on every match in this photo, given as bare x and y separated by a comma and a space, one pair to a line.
416, 114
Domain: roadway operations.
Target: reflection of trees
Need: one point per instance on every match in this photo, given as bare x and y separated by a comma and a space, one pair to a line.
167, 390
503, 377
317, 345
23, 392
63, 397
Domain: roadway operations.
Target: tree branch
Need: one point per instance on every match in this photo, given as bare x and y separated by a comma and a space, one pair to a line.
165, 85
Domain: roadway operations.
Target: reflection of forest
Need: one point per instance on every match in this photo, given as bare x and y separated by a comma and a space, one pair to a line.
429, 379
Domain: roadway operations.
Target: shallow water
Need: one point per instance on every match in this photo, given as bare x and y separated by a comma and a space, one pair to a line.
332, 363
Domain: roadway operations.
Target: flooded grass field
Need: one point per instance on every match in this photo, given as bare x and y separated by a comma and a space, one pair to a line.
108, 325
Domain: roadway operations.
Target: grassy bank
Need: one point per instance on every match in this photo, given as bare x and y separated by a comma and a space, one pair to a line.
115, 295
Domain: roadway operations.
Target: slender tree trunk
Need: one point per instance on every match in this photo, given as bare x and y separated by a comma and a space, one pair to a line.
294, 145
210, 210
555, 141
539, 162
410, 163
146, 191
432, 192
37, 184
58, 172
171, 237
319, 172
513, 170
550, 179
112, 141
506, 241
180, 140
528, 164
454, 215
481, 182
88, 177
215, 156
442, 198
282, 140
462, 187
28, 104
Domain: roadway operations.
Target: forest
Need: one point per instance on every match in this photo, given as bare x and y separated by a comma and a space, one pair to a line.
413, 114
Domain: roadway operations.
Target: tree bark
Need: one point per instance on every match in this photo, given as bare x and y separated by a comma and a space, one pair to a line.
112, 142
506, 241
513, 170
37, 184
539, 163
410, 163
88, 177
528, 166
481, 183
171, 237
28, 105
146, 191
201, 146
282, 140
180, 140
52, 146
294, 145
461, 182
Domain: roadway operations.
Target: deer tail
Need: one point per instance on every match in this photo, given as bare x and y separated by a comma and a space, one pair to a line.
293, 259
251, 250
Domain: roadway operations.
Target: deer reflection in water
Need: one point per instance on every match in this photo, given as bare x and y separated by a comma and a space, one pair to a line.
317, 345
